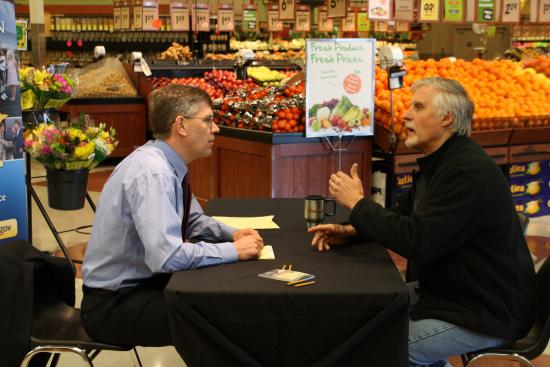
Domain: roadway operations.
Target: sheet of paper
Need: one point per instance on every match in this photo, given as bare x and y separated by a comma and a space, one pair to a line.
267, 253
249, 222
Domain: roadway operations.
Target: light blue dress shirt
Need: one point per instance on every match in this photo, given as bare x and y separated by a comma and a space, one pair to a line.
137, 226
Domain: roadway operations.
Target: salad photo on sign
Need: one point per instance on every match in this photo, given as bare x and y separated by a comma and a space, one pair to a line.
340, 87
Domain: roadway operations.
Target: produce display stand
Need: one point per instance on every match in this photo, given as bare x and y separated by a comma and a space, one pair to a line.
250, 163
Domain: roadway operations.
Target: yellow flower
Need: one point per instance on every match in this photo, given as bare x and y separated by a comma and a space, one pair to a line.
84, 151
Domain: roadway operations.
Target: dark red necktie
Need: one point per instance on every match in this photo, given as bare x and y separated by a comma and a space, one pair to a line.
186, 187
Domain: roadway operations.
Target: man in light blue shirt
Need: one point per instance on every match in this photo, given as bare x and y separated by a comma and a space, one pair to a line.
136, 239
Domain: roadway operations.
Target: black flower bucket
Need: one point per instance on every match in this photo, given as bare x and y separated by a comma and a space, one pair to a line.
66, 189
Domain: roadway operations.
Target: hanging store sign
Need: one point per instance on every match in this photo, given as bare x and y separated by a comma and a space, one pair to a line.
124, 16
380, 26
13, 189
401, 26
510, 11
200, 17
363, 21
250, 18
429, 11
302, 23
379, 9
286, 9
117, 16
485, 11
543, 11
226, 18
470, 10
336, 8
340, 87
324, 23
404, 10
349, 24
150, 12
179, 16
274, 24
138, 15
454, 11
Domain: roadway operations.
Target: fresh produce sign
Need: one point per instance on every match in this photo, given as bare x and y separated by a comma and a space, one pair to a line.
340, 87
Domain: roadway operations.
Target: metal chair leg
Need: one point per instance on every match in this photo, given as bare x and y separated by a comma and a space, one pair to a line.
55, 349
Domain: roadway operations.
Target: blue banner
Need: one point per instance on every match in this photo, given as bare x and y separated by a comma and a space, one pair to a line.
13, 198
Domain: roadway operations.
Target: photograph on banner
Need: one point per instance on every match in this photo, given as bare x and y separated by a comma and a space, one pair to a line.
13, 204
340, 86
21, 31
380, 9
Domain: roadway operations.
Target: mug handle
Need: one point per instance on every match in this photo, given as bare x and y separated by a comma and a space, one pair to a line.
333, 212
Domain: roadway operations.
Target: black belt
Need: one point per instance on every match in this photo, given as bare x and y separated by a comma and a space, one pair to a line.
96, 291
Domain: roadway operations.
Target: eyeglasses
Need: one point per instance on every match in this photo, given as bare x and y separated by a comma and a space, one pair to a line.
208, 121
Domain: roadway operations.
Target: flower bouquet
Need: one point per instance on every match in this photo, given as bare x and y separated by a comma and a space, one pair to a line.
43, 89
74, 147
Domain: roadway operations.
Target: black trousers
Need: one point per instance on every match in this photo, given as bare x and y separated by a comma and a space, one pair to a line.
130, 316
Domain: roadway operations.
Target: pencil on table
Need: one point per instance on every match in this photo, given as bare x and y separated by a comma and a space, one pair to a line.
305, 283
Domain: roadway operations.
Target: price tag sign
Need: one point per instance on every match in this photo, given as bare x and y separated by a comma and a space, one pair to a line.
325, 24
286, 9
336, 8
429, 11
363, 21
485, 11
401, 26
226, 19
302, 23
125, 17
349, 22
544, 11
201, 18
454, 11
404, 10
250, 21
274, 24
510, 11
379, 9
179, 16
138, 17
150, 12
117, 18
380, 26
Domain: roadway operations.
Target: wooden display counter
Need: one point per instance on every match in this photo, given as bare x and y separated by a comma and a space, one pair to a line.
246, 163
126, 115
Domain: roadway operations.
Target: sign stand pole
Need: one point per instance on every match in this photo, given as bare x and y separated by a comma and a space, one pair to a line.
338, 148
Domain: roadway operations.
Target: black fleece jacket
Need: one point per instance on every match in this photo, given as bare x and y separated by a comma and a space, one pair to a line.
474, 267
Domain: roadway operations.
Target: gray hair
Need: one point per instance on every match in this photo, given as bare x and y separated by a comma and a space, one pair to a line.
453, 98
166, 103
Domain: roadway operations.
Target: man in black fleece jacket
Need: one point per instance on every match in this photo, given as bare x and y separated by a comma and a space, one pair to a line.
457, 223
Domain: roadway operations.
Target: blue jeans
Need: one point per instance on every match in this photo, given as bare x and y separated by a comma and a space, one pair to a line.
432, 341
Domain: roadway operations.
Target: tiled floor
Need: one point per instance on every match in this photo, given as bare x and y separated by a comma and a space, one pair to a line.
538, 239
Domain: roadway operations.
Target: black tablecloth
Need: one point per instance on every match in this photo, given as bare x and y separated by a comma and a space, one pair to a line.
355, 314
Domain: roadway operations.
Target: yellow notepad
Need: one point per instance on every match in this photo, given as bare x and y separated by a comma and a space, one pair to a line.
265, 222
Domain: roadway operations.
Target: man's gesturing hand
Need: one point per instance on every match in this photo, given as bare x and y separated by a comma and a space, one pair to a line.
347, 190
327, 235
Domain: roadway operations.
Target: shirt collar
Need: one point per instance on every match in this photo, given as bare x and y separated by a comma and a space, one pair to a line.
430, 162
173, 157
